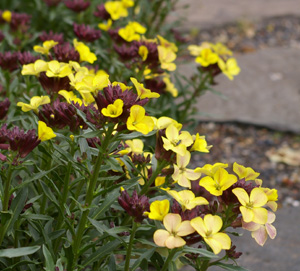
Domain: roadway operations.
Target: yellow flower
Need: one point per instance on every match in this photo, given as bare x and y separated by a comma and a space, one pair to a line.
107, 26
209, 228
230, 68
58, 69
137, 27
136, 146
167, 44
47, 45
207, 57
116, 9
187, 199
176, 142
128, 3
138, 121
143, 92
200, 144
158, 209
261, 232
70, 96
166, 57
113, 110
195, 50
45, 132
221, 49
175, 229
272, 198
121, 85
170, 87
182, 174
127, 33
164, 122
219, 183
6, 16
251, 208
143, 52
84, 52
35, 102
159, 181
35, 68
209, 169
92, 83
246, 173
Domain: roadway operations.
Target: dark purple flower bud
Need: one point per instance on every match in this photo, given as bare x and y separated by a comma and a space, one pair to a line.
101, 12
61, 114
65, 52
155, 85
22, 142
77, 5
59, 37
135, 206
53, 85
9, 61
86, 33
27, 58
19, 21
4, 105
231, 253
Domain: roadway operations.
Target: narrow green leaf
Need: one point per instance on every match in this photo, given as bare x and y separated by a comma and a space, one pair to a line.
201, 251
18, 252
17, 206
20, 263
109, 200
48, 259
231, 267
145, 255
102, 252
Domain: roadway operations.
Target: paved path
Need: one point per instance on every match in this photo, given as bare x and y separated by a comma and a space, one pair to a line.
267, 92
204, 13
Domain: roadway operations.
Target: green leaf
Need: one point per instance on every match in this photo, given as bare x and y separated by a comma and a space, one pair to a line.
101, 252
201, 251
18, 252
17, 206
231, 267
145, 255
20, 263
48, 259
109, 200
114, 164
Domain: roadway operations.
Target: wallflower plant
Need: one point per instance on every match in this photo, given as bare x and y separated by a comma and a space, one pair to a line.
96, 151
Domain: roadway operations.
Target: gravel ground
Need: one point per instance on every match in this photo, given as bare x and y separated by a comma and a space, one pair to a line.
276, 155
245, 36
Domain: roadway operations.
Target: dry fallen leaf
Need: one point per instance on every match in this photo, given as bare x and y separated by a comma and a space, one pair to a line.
284, 155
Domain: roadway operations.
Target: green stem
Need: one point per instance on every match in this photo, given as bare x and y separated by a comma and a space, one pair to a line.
89, 197
158, 170
169, 259
129, 248
6, 195
192, 99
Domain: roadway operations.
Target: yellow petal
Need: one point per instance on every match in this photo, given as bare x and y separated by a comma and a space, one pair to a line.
172, 222
213, 223
160, 237
242, 195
